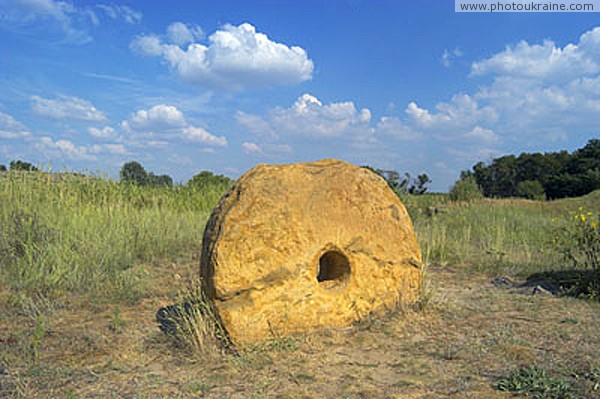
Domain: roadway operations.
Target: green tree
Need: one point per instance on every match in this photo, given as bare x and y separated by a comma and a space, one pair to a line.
2, 168
531, 167
161, 180
397, 182
22, 166
402, 184
568, 185
207, 179
504, 176
560, 174
418, 186
541, 167
134, 172
585, 159
482, 175
531, 189
466, 189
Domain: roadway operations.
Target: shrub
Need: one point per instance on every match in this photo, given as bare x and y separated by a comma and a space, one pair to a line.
535, 381
193, 324
466, 189
24, 237
577, 238
531, 189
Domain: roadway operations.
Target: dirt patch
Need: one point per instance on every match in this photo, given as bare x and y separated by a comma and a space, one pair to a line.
468, 336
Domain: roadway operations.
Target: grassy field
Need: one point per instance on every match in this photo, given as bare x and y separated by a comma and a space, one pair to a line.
85, 263
83, 234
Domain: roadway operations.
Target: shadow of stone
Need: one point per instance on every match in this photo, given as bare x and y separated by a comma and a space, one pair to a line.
171, 317
575, 283
174, 320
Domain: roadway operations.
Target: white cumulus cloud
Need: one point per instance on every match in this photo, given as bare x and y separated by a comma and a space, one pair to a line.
64, 148
309, 117
153, 126
104, 133
543, 90
546, 61
67, 149
194, 133
11, 128
529, 93
181, 34
158, 117
483, 134
66, 108
235, 58
461, 111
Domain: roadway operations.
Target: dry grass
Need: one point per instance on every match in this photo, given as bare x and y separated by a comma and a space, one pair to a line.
469, 335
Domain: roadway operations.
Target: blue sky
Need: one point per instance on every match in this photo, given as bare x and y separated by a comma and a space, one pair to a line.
186, 86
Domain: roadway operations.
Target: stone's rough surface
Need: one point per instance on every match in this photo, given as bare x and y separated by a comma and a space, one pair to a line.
294, 247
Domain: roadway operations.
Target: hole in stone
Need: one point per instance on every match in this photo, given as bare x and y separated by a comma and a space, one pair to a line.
334, 269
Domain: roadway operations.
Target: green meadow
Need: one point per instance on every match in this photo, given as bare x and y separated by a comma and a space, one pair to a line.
87, 234
63, 232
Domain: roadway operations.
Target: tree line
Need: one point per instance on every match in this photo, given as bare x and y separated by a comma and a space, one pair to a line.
529, 175
134, 173
19, 165
537, 176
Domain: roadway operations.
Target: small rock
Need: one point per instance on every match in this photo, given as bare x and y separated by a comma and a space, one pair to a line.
434, 210
538, 289
503, 282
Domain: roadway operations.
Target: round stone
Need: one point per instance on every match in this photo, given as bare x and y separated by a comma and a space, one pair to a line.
291, 248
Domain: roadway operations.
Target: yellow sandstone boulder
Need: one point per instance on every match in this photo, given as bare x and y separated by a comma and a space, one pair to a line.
291, 248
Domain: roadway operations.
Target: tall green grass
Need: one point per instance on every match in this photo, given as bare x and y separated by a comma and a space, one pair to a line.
81, 233
85, 234
488, 235
495, 236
